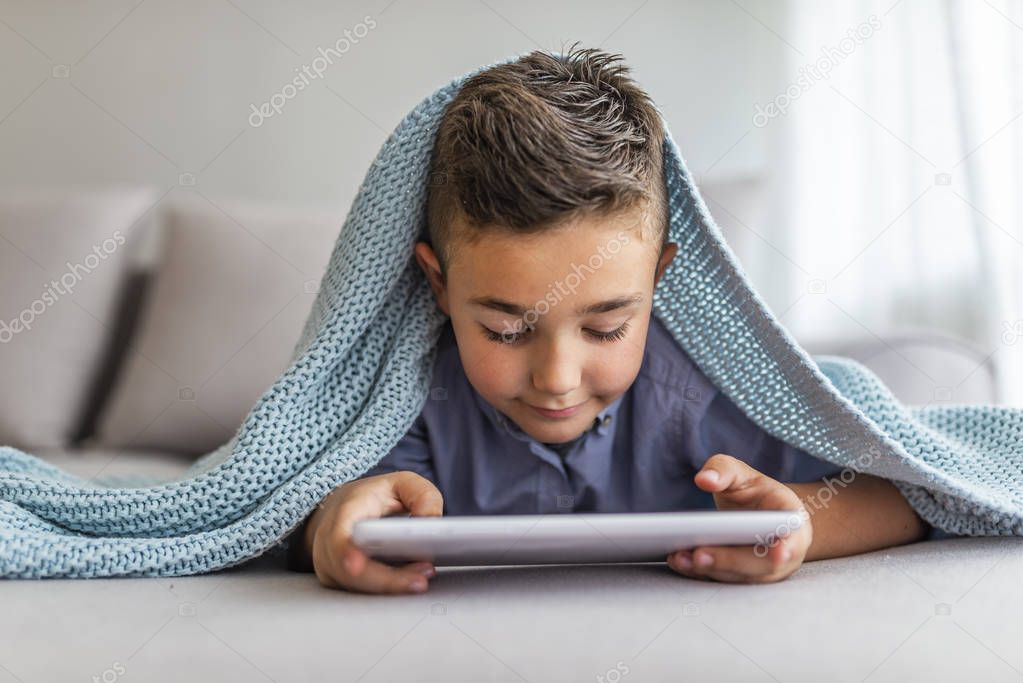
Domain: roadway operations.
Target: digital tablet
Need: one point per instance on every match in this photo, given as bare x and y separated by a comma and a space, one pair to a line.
565, 538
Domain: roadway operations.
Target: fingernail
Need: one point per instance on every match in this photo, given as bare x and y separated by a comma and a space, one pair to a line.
684, 560
786, 555
427, 571
704, 560
711, 475
418, 584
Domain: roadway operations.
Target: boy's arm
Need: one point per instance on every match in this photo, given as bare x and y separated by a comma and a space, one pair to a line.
868, 513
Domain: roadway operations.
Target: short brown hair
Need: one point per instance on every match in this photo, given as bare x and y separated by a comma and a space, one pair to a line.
532, 142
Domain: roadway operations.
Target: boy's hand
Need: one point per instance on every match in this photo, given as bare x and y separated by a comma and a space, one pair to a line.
339, 563
737, 486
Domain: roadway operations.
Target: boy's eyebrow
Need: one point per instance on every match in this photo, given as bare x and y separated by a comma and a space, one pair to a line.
590, 309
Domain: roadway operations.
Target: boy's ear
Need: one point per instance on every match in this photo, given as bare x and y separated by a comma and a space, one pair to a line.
670, 249
427, 260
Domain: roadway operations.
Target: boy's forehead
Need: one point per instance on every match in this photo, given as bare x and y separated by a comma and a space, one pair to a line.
581, 239
589, 255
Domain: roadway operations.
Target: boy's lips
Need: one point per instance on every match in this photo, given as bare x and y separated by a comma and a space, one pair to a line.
563, 412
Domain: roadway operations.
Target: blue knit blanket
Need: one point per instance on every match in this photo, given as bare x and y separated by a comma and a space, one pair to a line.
361, 372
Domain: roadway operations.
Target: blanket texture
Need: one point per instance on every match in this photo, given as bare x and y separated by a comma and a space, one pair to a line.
361, 372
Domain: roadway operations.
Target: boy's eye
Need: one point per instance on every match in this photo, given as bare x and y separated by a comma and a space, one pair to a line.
509, 338
614, 335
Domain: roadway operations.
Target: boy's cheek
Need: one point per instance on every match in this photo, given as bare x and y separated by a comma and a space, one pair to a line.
490, 369
493, 377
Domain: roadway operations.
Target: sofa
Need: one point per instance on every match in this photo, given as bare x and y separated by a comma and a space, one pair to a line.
138, 326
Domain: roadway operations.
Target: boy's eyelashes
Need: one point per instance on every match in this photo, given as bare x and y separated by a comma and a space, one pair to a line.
514, 336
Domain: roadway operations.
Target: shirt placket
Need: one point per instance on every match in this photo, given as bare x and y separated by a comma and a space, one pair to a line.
555, 487
554, 490
555, 494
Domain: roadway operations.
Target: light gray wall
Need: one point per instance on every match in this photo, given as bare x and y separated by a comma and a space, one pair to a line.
128, 92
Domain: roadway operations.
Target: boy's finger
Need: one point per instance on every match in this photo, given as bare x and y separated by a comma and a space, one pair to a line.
381, 578
419, 496
354, 560
690, 573
745, 560
725, 473
359, 572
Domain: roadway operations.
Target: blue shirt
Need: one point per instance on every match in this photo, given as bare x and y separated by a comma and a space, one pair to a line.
639, 455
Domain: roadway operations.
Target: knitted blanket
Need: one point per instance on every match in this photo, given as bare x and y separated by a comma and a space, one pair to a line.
361, 373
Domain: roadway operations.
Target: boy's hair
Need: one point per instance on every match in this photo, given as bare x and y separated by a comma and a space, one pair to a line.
531, 143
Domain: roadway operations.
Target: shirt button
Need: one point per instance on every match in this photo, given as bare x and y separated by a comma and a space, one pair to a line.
607, 420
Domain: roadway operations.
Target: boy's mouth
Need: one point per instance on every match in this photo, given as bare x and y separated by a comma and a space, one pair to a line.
556, 412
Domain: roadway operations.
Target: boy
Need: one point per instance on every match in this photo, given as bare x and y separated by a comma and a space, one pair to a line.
555, 390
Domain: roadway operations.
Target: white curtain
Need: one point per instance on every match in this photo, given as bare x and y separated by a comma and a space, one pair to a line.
898, 197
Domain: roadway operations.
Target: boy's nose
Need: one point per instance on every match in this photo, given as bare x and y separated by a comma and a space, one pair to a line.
556, 370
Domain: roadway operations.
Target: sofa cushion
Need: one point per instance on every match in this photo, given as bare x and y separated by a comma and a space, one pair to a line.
64, 254
234, 285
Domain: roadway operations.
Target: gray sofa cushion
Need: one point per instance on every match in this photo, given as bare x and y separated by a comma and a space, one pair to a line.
233, 286
64, 255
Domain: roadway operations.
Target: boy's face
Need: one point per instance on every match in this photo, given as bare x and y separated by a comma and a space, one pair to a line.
573, 304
